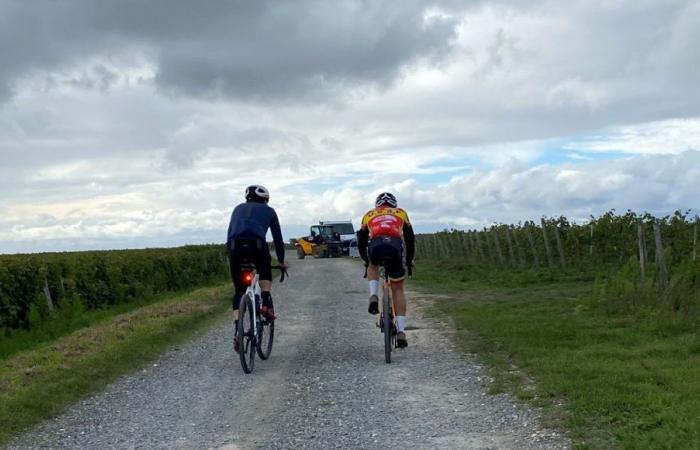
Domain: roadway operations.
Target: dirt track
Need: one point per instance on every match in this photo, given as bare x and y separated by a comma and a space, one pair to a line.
325, 386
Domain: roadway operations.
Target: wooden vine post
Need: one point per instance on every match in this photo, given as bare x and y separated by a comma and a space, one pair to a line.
499, 253
466, 244
47, 294
518, 249
695, 239
590, 247
533, 249
560, 247
447, 245
661, 269
511, 251
642, 248
489, 250
459, 245
444, 246
477, 245
547, 248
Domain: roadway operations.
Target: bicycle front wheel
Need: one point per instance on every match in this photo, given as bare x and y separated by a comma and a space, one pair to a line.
266, 334
387, 325
246, 335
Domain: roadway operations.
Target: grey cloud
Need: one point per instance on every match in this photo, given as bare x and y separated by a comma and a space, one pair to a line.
99, 76
245, 50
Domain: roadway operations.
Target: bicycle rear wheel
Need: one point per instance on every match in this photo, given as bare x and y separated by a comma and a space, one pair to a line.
246, 335
266, 334
386, 325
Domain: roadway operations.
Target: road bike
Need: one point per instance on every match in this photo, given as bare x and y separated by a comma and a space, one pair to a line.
255, 331
386, 322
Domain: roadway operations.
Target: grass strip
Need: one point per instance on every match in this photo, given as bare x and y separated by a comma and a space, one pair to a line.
38, 384
625, 381
71, 317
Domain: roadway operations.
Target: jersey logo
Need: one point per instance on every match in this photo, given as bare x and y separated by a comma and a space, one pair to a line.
387, 222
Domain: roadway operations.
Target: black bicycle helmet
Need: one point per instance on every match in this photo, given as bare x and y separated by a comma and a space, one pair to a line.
386, 199
257, 193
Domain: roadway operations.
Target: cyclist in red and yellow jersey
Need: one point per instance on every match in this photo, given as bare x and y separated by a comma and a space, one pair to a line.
380, 237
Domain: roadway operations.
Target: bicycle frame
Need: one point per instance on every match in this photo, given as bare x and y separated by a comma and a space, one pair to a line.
254, 292
386, 284
250, 340
386, 318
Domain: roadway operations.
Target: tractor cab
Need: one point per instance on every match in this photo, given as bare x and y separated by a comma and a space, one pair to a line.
321, 234
322, 242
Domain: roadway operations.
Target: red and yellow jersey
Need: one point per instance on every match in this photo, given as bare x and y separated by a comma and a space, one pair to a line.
385, 222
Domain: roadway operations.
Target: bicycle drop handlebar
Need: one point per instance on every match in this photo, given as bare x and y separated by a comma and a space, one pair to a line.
283, 270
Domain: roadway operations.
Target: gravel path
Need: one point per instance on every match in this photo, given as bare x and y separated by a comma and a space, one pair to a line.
325, 386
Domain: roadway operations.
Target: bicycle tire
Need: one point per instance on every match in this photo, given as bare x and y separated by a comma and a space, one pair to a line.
266, 334
246, 336
386, 325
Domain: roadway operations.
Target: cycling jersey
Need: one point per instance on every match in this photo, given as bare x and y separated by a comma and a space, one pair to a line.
251, 220
385, 222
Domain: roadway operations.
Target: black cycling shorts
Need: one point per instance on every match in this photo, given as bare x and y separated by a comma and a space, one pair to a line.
389, 249
250, 251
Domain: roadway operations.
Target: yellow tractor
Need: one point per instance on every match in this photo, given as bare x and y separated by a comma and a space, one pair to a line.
322, 242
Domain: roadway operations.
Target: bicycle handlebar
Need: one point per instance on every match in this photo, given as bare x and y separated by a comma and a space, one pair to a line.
283, 270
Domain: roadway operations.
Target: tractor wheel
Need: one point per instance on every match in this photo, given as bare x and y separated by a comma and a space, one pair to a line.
300, 253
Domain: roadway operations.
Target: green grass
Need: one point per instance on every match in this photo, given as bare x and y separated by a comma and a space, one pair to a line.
625, 380
69, 318
39, 383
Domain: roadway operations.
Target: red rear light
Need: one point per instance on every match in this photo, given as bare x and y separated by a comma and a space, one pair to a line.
247, 277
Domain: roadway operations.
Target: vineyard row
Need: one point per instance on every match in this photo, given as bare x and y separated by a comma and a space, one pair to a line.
33, 286
556, 243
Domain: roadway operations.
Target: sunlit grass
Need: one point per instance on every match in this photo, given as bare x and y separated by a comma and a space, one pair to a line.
625, 380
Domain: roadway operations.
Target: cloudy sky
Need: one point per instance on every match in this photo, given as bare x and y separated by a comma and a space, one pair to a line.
139, 123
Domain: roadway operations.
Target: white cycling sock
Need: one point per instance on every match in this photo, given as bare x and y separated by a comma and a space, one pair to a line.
400, 322
374, 287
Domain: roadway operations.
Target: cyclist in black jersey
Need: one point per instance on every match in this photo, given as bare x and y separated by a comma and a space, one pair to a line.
246, 241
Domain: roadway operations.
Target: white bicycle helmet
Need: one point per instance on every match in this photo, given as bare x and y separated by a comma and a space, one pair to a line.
386, 199
257, 193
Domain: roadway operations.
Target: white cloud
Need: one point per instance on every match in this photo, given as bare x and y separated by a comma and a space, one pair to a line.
662, 137
658, 184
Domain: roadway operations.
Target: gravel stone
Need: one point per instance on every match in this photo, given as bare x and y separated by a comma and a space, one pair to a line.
325, 386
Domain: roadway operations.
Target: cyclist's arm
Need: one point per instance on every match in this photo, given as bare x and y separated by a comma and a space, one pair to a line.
230, 229
410, 239
362, 239
277, 237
